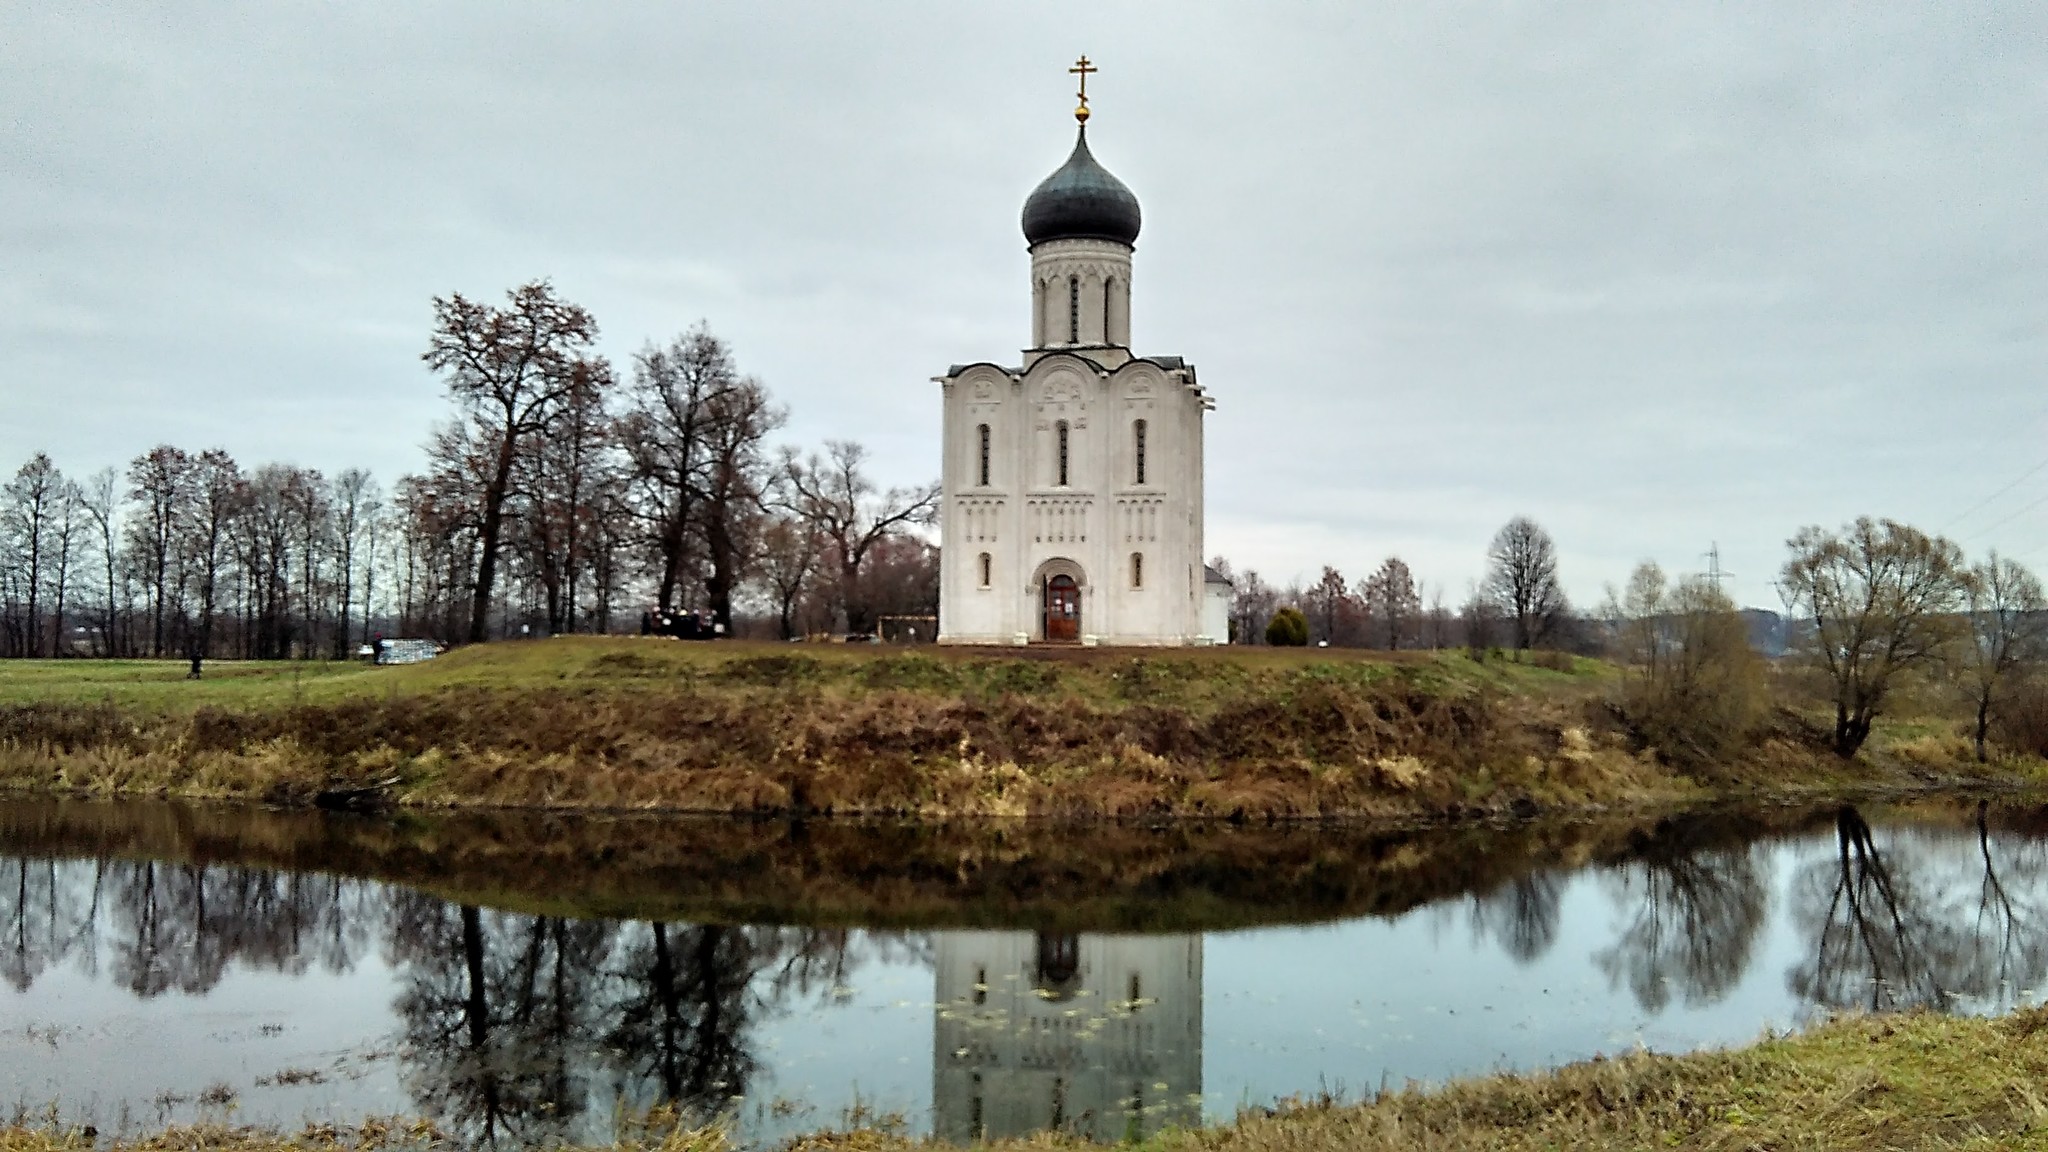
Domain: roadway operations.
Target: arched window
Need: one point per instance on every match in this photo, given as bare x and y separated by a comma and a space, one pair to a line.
984, 458
1073, 309
1108, 294
1137, 449
1137, 569
988, 569
1063, 454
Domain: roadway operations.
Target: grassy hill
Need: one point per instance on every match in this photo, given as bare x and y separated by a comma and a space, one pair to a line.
589, 723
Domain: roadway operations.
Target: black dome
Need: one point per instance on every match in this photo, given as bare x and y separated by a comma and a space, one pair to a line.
1081, 201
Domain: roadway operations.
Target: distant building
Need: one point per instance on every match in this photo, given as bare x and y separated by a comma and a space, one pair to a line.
1073, 481
1096, 1035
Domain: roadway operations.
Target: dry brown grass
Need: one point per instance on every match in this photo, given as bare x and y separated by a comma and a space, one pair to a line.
777, 729
1898, 1083
760, 741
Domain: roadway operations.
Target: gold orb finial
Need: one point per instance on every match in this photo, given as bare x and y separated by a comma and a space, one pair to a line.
1082, 68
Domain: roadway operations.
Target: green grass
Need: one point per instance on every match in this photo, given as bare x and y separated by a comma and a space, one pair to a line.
161, 684
1183, 677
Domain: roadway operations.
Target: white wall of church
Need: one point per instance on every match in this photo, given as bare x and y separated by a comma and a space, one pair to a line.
1135, 548
1081, 293
1042, 477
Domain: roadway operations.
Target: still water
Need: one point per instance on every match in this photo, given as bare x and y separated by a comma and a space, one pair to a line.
527, 980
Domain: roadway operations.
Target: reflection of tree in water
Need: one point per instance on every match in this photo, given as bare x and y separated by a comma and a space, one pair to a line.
45, 916
1521, 915
516, 1026
512, 1024
1911, 925
176, 927
2009, 938
1877, 937
1696, 917
683, 1001
180, 926
494, 1011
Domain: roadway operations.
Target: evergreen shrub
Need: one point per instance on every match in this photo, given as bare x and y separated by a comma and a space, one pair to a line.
1288, 629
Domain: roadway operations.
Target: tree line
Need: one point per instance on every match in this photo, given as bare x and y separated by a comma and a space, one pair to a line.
1520, 604
1874, 611
559, 495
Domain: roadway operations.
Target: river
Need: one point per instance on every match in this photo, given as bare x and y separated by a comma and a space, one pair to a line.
529, 980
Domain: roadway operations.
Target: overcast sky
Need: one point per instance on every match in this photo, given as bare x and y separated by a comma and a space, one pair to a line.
1655, 275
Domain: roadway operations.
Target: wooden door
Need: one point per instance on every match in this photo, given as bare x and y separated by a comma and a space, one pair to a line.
1062, 610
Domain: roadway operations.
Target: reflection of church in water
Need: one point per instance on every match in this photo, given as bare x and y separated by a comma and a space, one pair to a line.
1097, 1035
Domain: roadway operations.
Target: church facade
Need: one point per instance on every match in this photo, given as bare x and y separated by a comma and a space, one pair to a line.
1072, 481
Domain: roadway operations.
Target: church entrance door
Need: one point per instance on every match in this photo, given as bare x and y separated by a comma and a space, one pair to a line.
1062, 610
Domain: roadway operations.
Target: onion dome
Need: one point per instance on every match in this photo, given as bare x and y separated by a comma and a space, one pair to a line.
1081, 201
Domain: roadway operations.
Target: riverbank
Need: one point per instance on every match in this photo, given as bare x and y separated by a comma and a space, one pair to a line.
596, 724
1093, 876
1918, 1081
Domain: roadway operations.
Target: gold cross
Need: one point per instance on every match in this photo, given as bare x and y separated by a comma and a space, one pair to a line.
1082, 68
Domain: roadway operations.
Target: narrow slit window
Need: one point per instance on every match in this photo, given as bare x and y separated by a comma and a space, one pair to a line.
1063, 454
1137, 448
1073, 309
1108, 294
1137, 569
984, 457
988, 568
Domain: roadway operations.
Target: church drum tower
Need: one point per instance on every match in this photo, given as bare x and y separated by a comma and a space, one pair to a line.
1072, 483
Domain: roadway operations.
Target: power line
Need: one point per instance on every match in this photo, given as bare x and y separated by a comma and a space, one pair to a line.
2007, 520
1972, 510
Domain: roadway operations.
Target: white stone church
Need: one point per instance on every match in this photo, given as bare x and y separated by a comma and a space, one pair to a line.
1073, 483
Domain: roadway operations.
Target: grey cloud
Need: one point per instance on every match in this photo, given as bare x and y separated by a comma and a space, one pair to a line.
1656, 276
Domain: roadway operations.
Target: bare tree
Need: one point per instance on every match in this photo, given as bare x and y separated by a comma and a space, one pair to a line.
2007, 632
1880, 596
667, 408
67, 534
788, 560
102, 503
1390, 597
835, 497
510, 371
217, 493
1692, 687
1522, 580
1251, 607
736, 479
312, 523
355, 501
1479, 619
1438, 617
557, 483
1324, 603
30, 500
158, 481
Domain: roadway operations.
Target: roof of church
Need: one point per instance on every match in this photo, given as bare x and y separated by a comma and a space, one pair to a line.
1211, 576
1081, 201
